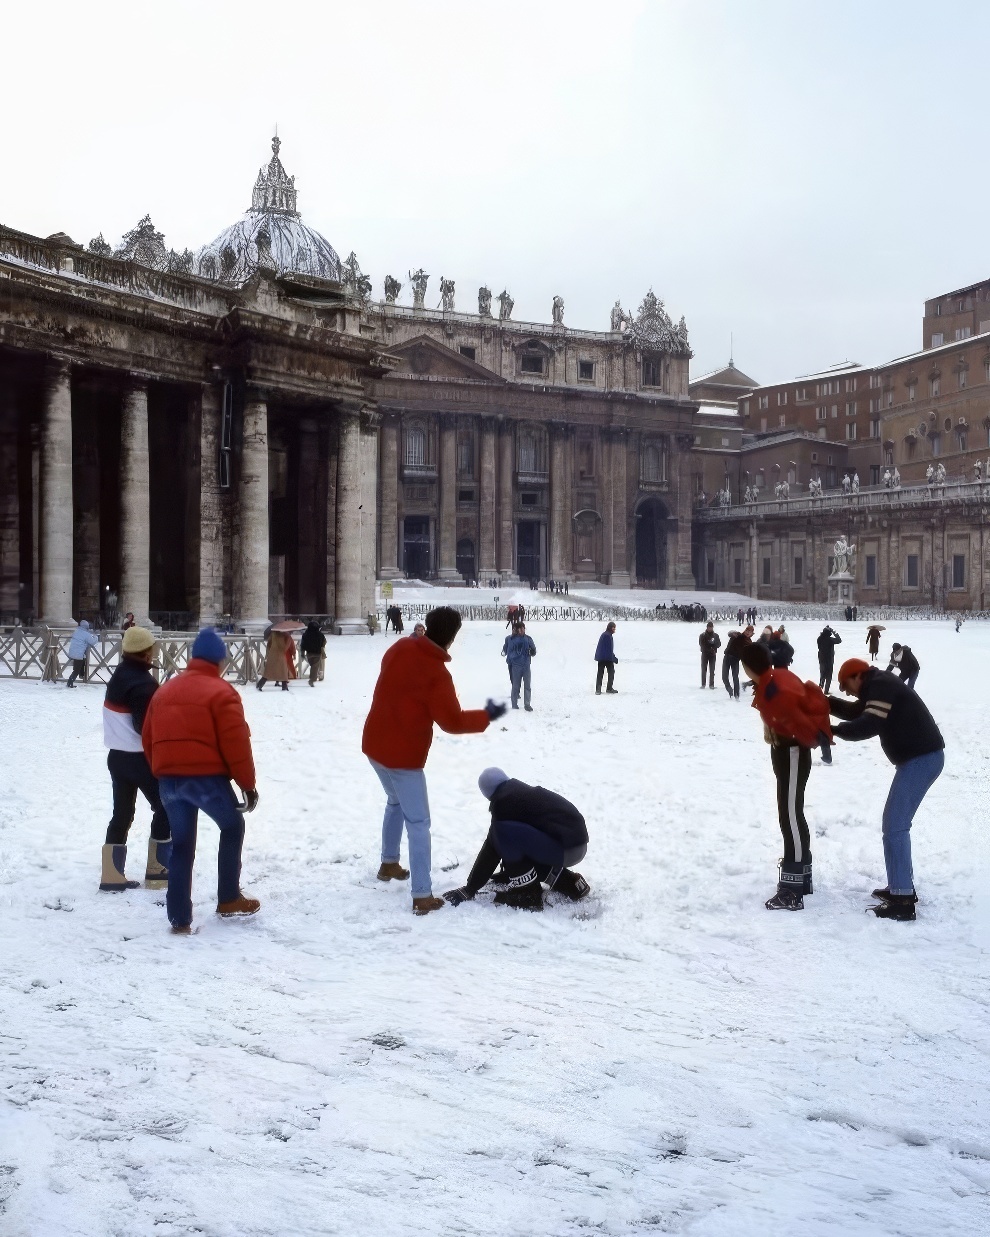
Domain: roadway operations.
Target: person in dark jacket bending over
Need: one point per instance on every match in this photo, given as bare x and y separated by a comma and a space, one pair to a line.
912, 742
128, 695
826, 656
537, 835
730, 665
709, 643
607, 661
902, 659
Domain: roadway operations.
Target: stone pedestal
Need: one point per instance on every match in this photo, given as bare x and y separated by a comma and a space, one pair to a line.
841, 589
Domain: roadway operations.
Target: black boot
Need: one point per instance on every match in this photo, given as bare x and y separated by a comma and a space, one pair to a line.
808, 883
524, 890
285, 687
571, 884
896, 907
790, 886
885, 895
260, 683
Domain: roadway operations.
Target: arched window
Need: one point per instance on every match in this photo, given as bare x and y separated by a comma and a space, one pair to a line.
415, 446
650, 464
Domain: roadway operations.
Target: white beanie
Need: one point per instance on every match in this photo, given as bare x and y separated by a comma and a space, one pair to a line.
490, 781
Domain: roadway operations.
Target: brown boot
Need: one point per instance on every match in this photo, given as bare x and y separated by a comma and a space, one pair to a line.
239, 906
423, 906
392, 872
181, 929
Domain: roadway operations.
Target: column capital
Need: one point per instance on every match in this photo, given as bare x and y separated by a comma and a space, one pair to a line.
57, 368
371, 420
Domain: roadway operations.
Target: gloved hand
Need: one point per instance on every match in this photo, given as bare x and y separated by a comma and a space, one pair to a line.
494, 710
252, 797
456, 896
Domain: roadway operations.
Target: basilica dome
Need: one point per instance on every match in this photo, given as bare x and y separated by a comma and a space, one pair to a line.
270, 236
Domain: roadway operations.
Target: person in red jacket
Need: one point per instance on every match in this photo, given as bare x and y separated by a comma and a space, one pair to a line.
196, 740
795, 718
414, 691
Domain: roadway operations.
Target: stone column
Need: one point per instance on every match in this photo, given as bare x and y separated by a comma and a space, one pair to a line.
389, 509
486, 501
448, 499
253, 560
506, 488
349, 620
619, 513
56, 509
332, 443
370, 424
135, 505
754, 562
559, 504
10, 523
210, 531
683, 574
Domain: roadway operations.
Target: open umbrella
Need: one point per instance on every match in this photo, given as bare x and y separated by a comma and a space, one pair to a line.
289, 625
876, 627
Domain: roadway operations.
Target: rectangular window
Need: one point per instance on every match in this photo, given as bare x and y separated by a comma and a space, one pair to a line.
912, 390
935, 386
745, 407
532, 363
821, 412
874, 380
737, 565
799, 571
835, 412
468, 351
911, 571
781, 398
874, 474
651, 373
586, 371
801, 393
963, 332
763, 425
465, 496
871, 569
711, 571
850, 384
782, 420
959, 571
764, 402
766, 571
875, 429
850, 431
529, 500
830, 477
938, 339
851, 409
963, 379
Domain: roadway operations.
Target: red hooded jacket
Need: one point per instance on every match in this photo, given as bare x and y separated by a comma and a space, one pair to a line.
792, 709
195, 727
413, 691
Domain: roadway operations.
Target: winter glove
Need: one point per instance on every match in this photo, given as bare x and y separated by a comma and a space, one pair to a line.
252, 798
494, 710
456, 896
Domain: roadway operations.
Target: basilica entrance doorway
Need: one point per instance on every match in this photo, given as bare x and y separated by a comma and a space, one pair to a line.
417, 548
651, 544
530, 550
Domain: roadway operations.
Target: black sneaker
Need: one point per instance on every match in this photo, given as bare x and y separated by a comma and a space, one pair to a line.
611, 691
885, 895
782, 901
571, 884
901, 909
524, 892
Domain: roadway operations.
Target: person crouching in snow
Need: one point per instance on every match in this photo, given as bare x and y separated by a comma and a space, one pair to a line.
126, 702
537, 835
196, 740
414, 691
795, 719
913, 743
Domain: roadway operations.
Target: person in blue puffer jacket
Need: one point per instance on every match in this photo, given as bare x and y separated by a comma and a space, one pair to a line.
80, 644
607, 661
519, 651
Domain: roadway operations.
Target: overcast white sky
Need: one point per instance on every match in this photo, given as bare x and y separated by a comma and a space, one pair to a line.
800, 174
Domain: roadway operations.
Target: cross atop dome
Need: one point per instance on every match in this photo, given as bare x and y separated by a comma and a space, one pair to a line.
274, 190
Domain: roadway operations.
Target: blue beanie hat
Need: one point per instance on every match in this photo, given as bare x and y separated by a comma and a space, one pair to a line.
209, 647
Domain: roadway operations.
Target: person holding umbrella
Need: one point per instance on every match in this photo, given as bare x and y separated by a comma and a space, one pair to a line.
280, 654
873, 639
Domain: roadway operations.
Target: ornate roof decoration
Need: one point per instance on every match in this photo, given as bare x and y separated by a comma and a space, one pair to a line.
270, 236
653, 328
144, 245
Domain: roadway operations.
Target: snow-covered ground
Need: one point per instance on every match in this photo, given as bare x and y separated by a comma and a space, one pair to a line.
680, 1061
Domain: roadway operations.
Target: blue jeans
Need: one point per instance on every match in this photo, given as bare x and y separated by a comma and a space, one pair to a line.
519, 673
407, 803
911, 783
183, 798
909, 680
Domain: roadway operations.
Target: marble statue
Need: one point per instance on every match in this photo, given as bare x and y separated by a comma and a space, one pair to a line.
558, 311
485, 302
505, 304
940, 474
888, 480
446, 294
930, 475
418, 280
978, 469
843, 552
896, 478
392, 289
846, 484
855, 483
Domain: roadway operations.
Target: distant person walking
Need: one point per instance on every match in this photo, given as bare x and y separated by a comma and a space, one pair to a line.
607, 661
314, 646
81, 642
873, 640
905, 662
280, 660
128, 695
414, 692
196, 740
519, 653
709, 642
827, 641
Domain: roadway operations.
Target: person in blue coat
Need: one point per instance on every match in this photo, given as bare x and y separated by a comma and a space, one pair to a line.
519, 651
607, 661
80, 644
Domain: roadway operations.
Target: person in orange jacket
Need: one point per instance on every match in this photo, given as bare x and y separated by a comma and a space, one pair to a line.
196, 740
795, 718
414, 691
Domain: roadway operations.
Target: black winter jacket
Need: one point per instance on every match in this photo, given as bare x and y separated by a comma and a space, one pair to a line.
826, 646
129, 693
709, 642
907, 663
552, 814
894, 712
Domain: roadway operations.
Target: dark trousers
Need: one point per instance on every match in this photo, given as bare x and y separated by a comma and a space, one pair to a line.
520, 843
184, 798
78, 671
792, 767
909, 680
605, 667
708, 664
129, 773
825, 669
730, 666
